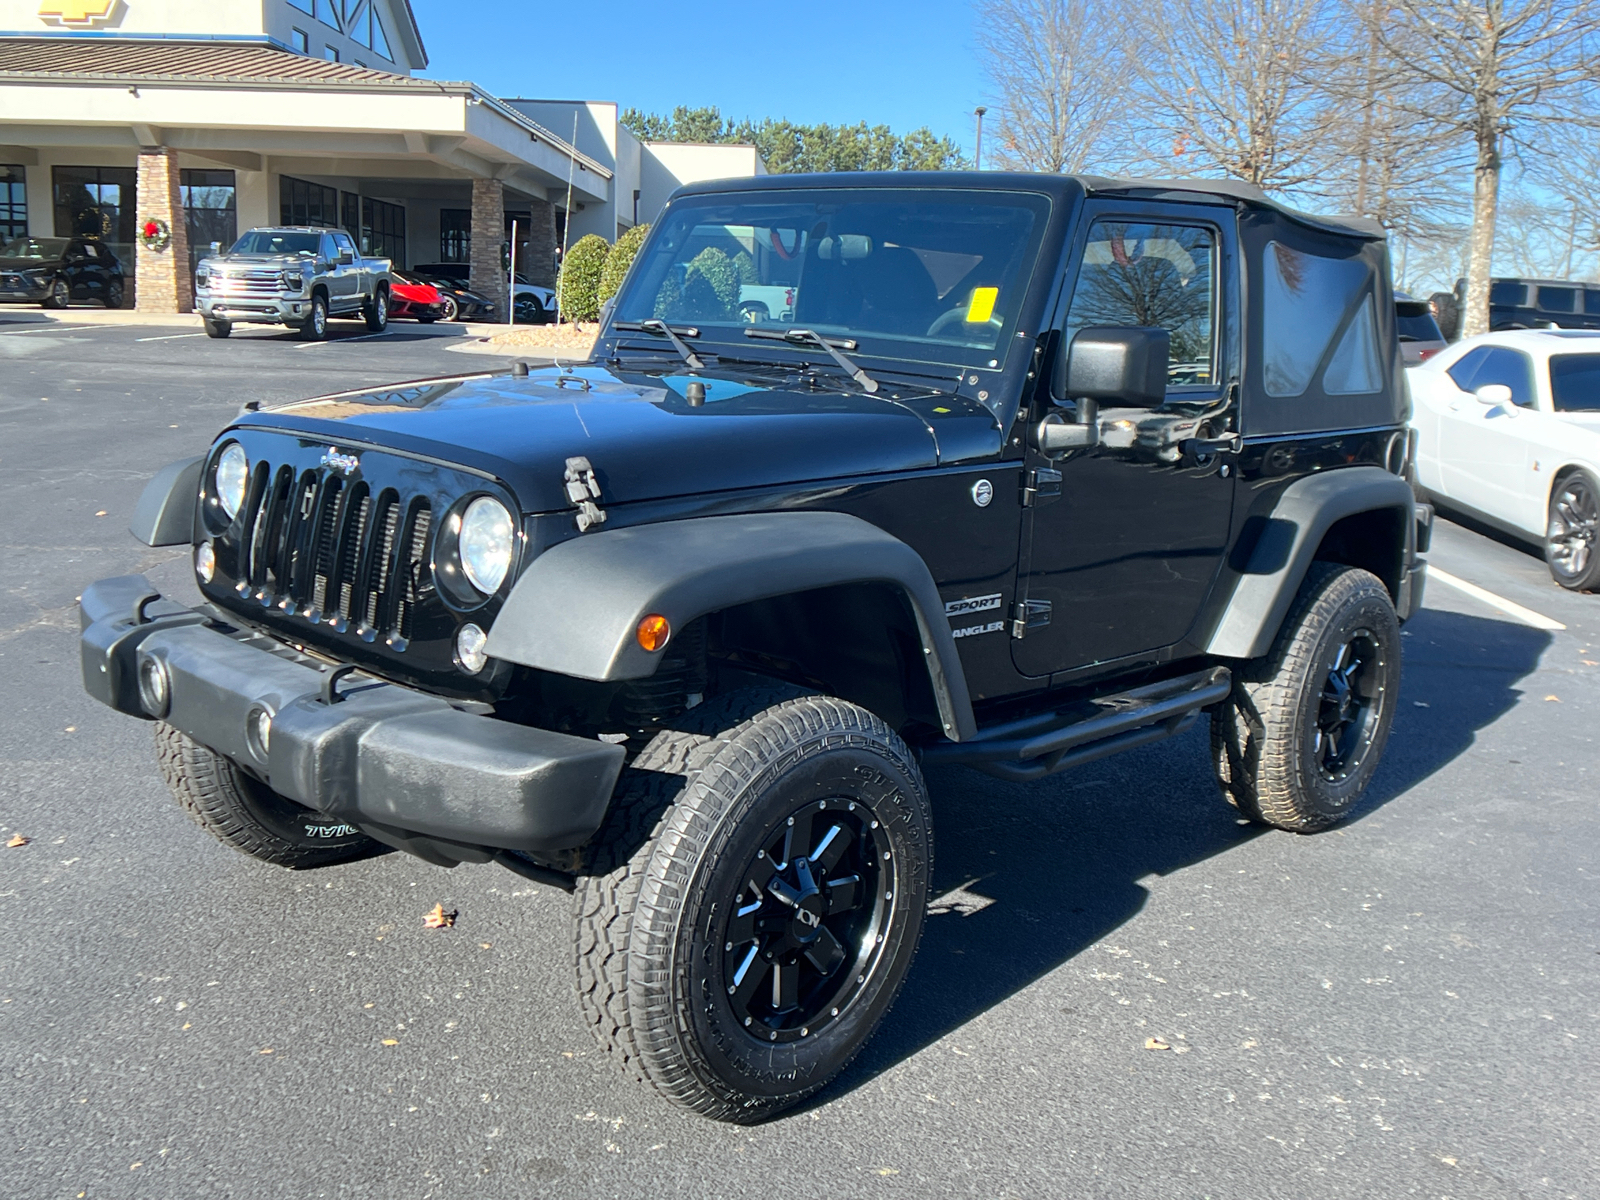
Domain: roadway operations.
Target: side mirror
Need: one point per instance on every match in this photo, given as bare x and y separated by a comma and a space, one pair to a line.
216, 247
346, 258
1491, 394
1122, 366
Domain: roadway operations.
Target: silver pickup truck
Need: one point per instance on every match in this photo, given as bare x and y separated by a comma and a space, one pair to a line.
294, 276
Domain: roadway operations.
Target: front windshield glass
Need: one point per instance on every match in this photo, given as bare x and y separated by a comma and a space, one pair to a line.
265, 241
35, 248
932, 276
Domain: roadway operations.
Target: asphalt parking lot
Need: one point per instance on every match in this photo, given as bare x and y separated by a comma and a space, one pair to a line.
1403, 1006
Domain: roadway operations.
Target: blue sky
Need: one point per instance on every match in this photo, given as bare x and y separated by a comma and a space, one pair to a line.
902, 63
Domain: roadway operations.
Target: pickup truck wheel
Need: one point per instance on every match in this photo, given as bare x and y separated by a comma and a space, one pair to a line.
753, 908
377, 313
216, 329
1570, 540
246, 814
1297, 742
315, 327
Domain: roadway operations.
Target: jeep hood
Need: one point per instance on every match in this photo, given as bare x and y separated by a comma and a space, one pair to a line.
641, 435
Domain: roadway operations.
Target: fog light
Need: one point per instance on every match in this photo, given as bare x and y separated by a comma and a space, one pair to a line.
653, 632
205, 562
258, 732
155, 687
469, 648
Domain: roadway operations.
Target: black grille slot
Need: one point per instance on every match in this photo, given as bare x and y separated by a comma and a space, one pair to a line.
415, 566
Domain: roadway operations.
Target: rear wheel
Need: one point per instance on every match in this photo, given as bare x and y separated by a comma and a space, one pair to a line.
114, 294
59, 295
377, 312
1298, 740
450, 310
241, 811
1570, 538
315, 328
216, 329
756, 902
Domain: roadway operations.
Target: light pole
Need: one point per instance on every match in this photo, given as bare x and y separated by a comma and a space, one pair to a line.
977, 153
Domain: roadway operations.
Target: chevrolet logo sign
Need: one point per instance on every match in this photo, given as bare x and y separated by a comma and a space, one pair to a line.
78, 14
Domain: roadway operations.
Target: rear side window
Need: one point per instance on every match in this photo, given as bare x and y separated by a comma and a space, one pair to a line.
1414, 322
1558, 299
1496, 364
1307, 297
1511, 295
1575, 382
1591, 301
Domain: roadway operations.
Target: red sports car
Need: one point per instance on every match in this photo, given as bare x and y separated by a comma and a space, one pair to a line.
410, 297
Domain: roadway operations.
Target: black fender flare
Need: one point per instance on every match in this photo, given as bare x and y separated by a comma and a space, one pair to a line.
168, 509
577, 606
1283, 552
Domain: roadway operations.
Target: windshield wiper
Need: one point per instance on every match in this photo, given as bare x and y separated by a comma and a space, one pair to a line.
662, 329
810, 337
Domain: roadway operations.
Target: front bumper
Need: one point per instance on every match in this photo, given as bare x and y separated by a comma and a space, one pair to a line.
361, 750
21, 288
254, 310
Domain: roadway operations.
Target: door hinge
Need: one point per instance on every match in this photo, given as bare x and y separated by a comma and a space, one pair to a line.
1040, 486
1029, 614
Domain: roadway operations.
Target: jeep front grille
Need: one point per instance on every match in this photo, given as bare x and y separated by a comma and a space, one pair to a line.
336, 552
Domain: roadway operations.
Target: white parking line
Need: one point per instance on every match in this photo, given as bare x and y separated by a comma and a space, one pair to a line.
169, 337
47, 329
332, 341
1526, 615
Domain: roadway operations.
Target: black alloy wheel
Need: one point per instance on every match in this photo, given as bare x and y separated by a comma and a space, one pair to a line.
114, 294
59, 295
1347, 715
1569, 546
802, 933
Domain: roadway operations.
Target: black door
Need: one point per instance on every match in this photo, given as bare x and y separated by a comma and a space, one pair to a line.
1122, 550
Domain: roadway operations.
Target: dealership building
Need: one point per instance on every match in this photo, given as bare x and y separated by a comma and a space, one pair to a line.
194, 120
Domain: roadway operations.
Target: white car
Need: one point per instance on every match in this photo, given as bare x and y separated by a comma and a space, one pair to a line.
1508, 430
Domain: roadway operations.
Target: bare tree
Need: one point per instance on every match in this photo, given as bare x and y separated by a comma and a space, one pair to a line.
1053, 64
1507, 65
1237, 86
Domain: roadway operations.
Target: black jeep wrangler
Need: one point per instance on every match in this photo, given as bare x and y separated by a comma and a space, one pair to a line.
1025, 471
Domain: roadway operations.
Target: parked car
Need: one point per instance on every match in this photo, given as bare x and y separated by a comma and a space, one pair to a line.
1508, 431
414, 298
53, 271
1543, 304
294, 276
460, 303
533, 304
535, 307
1419, 334
678, 629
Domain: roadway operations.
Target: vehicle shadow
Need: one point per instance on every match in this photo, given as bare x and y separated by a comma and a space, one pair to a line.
1522, 545
1042, 871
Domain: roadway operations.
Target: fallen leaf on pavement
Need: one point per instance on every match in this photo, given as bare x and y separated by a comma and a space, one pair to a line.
18, 840
1557, 699
101, 513
1589, 662
439, 919
268, 1050
1156, 1043
1182, 1049
391, 1042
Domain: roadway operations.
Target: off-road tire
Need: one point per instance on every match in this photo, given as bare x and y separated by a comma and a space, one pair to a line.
376, 312
315, 327
1264, 746
1572, 532
59, 295
216, 329
242, 812
647, 913
1448, 315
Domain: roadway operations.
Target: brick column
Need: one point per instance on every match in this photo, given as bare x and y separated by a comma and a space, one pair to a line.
538, 260
488, 234
164, 284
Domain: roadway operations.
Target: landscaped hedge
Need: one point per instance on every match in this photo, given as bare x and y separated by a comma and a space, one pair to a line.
619, 260
578, 286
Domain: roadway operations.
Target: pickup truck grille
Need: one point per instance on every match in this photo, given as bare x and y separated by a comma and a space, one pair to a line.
336, 553
256, 282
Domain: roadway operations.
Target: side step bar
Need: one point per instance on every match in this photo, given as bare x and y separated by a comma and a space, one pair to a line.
1034, 747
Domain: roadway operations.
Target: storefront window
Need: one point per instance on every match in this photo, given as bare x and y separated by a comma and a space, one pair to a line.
383, 230
98, 202
455, 235
350, 215
13, 203
210, 210
304, 203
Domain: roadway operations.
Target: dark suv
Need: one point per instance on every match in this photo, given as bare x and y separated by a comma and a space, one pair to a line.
54, 271
1042, 468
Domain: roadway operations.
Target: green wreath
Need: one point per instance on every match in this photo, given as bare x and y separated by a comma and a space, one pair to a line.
154, 234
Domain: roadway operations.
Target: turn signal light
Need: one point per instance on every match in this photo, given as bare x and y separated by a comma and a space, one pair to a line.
653, 632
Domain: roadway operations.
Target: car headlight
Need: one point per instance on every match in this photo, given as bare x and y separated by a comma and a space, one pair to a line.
293, 282
485, 544
202, 279
233, 472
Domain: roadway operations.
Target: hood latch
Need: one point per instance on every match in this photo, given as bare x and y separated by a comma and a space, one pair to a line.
583, 489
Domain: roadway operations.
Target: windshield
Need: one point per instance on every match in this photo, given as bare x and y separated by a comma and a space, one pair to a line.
1575, 382
266, 241
933, 276
32, 247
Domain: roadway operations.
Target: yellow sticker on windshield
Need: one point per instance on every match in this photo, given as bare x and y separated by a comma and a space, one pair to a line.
982, 306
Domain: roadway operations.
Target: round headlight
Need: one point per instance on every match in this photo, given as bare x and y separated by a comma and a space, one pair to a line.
233, 472
470, 643
485, 543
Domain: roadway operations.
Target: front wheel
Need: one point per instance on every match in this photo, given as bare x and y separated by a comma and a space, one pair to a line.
377, 312
216, 329
1298, 740
59, 295
1574, 520
315, 328
765, 906
241, 811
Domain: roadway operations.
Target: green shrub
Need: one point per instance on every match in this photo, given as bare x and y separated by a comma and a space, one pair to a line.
711, 284
619, 260
579, 283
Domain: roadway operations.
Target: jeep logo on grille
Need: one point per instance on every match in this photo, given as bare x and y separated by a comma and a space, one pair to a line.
345, 464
